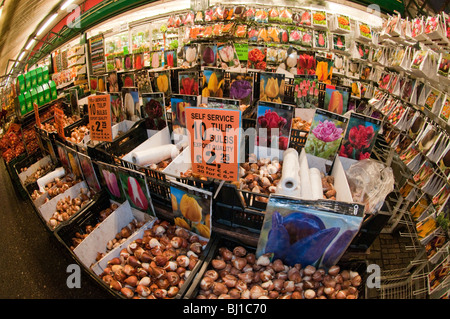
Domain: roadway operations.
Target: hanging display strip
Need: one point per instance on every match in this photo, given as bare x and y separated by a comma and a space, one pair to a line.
97, 54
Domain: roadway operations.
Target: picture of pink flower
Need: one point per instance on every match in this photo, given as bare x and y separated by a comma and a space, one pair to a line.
273, 124
327, 131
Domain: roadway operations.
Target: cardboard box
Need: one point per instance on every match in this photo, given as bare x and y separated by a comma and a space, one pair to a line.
45, 74
34, 96
33, 78
40, 93
47, 93
28, 102
53, 91
39, 78
22, 104
21, 83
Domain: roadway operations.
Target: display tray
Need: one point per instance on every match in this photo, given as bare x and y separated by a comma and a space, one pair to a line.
99, 267
32, 164
80, 147
221, 241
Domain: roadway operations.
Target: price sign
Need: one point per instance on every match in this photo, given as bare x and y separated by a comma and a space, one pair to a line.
214, 136
59, 122
36, 115
100, 117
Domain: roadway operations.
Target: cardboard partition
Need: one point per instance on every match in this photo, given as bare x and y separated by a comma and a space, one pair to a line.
33, 168
47, 209
97, 240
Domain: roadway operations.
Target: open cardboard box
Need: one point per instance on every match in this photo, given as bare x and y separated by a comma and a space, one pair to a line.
96, 241
47, 209
33, 168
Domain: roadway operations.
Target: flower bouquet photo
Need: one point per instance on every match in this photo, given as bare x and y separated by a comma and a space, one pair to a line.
306, 91
326, 134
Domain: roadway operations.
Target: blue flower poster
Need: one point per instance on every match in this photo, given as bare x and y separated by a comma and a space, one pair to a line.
308, 232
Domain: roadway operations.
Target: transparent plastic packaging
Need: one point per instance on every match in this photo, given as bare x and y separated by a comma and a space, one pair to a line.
370, 182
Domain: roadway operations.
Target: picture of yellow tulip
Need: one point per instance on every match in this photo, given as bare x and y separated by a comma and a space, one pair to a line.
271, 87
181, 223
190, 209
213, 81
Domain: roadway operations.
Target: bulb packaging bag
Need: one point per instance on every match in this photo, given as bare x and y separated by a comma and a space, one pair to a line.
308, 232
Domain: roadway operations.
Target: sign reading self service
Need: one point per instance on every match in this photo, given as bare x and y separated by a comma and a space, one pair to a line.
100, 117
214, 141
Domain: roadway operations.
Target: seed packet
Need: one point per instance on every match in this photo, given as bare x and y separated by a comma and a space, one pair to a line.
307, 38
213, 82
263, 35
229, 14
306, 91
445, 110
153, 110
353, 69
240, 31
341, 23
306, 63
302, 18
273, 124
143, 83
319, 19
217, 29
285, 16
295, 36
252, 34
273, 34
199, 17
227, 56
363, 31
261, 15
188, 83
228, 28
339, 64
256, 57
218, 13
339, 42
320, 39
241, 87
208, 55
271, 87
189, 18
336, 99
274, 14
250, 14
179, 103
239, 13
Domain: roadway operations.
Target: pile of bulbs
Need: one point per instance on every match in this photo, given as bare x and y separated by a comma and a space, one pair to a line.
67, 207
78, 134
238, 274
156, 265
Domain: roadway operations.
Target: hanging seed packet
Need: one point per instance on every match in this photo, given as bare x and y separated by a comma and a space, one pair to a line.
445, 110
339, 64
271, 87
192, 208
135, 189
153, 110
306, 63
241, 87
256, 57
208, 55
128, 80
170, 58
213, 82
308, 232
117, 111
320, 39
112, 82
339, 42
303, 18
155, 59
190, 55
360, 136
273, 125
319, 19
306, 91
423, 174
188, 83
327, 132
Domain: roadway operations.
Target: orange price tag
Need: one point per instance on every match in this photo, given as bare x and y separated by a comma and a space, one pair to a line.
59, 122
214, 136
100, 118
36, 115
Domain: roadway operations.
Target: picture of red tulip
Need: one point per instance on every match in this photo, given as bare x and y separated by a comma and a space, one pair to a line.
136, 194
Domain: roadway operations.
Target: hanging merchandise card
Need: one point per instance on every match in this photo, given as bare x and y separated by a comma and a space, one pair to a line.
256, 57
444, 161
227, 56
271, 88
208, 54
117, 112
143, 83
192, 208
113, 82
135, 189
162, 83
179, 104
444, 112
100, 118
170, 58
273, 125
130, 97
89, 173
306, 91
308, 232
336, 99
240, 87
423, 174
110, 178
326, 134
438, 278
360, 137
441, 198
153, 110
188, 83
61, 150
215, 141
213, 82
339, 64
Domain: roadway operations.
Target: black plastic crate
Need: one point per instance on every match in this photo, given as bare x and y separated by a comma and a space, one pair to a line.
25, 163
298, 139
88, 217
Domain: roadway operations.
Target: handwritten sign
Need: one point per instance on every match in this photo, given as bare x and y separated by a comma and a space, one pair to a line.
36, 115
100, 117
214, 140
59, 122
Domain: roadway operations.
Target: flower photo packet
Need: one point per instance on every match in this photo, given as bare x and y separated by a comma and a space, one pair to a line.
360, 137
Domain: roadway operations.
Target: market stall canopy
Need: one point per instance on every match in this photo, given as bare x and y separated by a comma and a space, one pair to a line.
18, 20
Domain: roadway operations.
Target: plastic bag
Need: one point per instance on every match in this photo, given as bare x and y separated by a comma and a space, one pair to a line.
370, 183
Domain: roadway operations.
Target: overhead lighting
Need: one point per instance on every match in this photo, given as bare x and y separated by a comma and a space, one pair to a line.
30, 44
46, 24
66, 4
1, 9
21, 56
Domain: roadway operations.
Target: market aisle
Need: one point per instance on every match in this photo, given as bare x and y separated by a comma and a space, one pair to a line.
33, 264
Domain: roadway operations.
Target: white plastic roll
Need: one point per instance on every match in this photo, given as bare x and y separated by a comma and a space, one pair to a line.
316, 183
154, 155
290, 180
50, 177
304, 176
